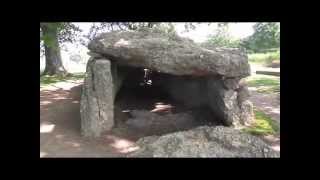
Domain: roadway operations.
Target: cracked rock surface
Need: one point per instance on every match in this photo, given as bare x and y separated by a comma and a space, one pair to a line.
169, 54
204, 141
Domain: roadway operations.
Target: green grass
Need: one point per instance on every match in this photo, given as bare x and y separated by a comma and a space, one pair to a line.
263, 125
264, 83
264, 58
48, 80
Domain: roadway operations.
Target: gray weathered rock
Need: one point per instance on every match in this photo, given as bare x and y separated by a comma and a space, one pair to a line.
173, 55
246, 113
192, 75
231, 83
204, 142
243, 94
223, 101
100, 86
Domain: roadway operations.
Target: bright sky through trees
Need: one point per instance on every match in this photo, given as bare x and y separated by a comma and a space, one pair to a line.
200, 34
238, 30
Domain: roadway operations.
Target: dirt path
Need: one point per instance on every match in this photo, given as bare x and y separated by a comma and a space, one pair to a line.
60, 125
269, 103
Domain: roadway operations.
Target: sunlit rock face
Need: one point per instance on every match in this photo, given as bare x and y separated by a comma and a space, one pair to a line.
206, 142
188, 73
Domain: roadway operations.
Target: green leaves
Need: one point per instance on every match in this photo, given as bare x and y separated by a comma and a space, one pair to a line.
67, 32
222, 38
265, 36
64, 32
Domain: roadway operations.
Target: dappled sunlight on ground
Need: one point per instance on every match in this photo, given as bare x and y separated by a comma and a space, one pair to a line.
43, 154
59, 136
273, 109
46, 128
268, 103
60, 126
65, 85
122, 145
276, 148
45, 102
277, 111
74, 144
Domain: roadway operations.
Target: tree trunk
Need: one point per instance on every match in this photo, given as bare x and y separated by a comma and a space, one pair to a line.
53, 60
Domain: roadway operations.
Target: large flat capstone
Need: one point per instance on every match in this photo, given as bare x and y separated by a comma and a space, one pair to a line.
170, 54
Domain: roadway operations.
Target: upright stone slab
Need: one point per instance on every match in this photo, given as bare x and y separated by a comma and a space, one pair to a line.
222, 101
97, 98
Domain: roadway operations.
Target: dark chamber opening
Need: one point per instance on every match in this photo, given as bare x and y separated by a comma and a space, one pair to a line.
144, 106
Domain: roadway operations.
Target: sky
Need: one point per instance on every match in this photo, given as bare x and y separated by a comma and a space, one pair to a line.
237, 30
200, 34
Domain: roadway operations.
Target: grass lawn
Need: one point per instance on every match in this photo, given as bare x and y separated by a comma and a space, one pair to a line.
48, 80
264, 58
264, 83
263, 125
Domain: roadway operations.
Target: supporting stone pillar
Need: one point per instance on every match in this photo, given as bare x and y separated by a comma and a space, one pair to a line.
98, 95
246, 107
229, 101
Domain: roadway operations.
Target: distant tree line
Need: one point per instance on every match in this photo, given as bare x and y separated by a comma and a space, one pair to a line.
266, 36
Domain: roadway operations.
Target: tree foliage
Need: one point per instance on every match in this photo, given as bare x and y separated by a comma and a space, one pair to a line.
66, 32
98, 28
265, 36
51, 36
222, 38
